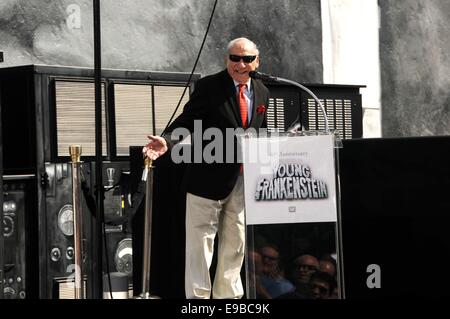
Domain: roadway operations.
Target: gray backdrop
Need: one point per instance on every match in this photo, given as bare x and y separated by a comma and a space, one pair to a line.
165, 35
415, 67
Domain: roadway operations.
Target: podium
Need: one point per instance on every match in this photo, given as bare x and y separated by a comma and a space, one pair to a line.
293, 247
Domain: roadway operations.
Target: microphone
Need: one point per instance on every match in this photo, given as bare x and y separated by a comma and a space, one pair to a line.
262, 76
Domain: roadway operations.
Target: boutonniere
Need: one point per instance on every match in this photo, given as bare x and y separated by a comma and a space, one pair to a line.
260, 109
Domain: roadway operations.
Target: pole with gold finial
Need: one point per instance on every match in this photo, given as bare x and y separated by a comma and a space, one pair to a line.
75, 154
147, 245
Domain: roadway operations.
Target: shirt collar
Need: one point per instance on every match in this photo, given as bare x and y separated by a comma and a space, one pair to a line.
249, 82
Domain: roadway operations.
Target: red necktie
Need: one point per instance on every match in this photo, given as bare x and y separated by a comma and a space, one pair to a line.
243, 105
244, 110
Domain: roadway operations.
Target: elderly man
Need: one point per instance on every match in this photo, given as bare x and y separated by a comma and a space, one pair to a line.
215, 199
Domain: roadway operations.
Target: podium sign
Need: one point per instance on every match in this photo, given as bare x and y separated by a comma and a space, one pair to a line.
289, 179
291, 208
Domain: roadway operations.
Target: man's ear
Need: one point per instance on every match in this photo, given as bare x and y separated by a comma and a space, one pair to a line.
257, 62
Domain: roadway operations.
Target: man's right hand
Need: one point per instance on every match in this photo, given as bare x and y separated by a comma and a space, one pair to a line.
155, 148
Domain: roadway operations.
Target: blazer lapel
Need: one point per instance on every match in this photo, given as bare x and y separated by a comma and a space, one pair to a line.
232, 98
257, 100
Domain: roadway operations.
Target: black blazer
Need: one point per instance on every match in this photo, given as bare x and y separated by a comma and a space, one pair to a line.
214, 101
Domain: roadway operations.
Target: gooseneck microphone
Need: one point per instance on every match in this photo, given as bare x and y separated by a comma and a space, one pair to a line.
271, 78
262, 76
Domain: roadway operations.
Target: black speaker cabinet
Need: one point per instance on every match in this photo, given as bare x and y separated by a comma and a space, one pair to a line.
2, 256
20, 275
14, 240
59, 263
118, 252
45, 109
395, 217
342, 103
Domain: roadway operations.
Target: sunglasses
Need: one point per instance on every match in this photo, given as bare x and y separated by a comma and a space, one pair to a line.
245, 58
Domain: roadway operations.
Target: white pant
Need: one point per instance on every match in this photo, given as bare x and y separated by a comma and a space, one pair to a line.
205, 218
